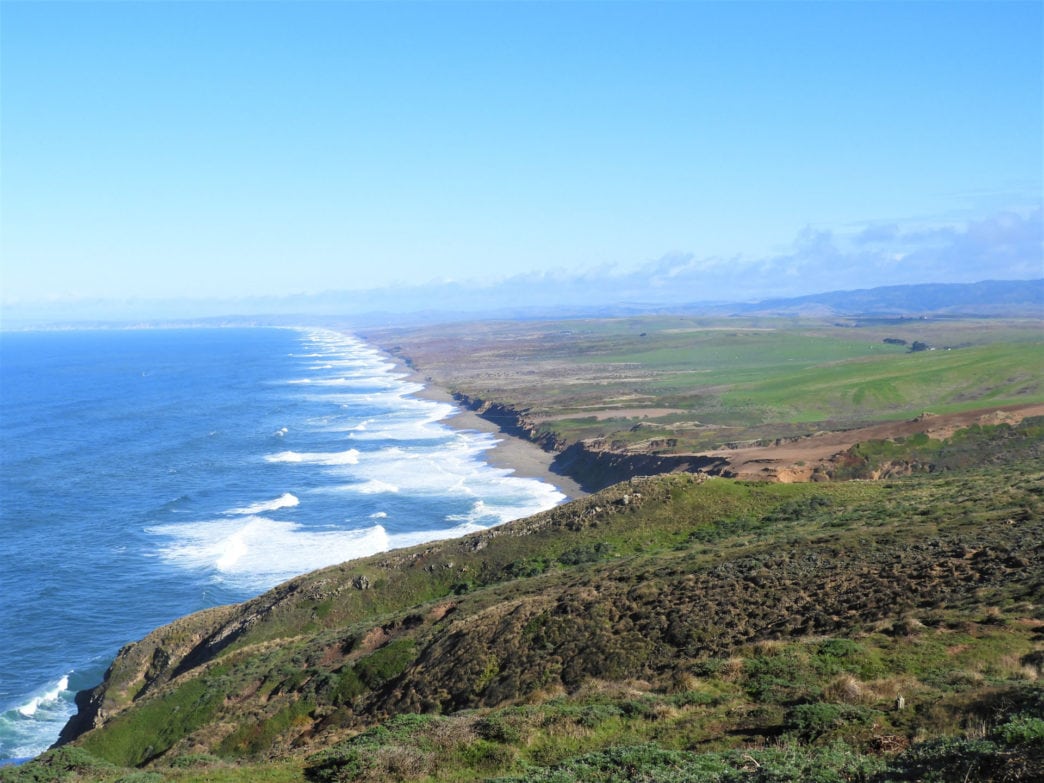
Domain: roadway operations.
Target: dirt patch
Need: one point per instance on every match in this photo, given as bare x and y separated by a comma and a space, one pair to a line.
798, 459
373, 639
601, 414
441, 610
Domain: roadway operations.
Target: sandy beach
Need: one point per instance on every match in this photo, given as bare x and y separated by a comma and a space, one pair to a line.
525, 459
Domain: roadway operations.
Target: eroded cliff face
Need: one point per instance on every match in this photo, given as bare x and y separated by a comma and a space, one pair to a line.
511, 421
594, 464
597, 463
142, 667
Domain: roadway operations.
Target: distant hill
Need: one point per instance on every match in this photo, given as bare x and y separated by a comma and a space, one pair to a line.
526, 300
1012, 298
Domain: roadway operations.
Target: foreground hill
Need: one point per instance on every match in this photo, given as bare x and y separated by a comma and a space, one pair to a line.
668, 628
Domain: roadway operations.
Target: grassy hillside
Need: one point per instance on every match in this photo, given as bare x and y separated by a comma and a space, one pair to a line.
666, 629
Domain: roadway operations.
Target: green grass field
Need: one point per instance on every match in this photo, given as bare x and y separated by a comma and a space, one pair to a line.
704, 382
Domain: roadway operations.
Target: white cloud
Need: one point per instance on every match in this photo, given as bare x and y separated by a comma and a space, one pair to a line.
1003, 246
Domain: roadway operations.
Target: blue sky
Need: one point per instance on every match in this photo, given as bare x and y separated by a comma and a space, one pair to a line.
233, 150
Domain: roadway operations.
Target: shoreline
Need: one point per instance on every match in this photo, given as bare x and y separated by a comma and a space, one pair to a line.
522, 457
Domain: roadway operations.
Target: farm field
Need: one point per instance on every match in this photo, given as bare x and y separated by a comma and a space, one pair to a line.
681, 385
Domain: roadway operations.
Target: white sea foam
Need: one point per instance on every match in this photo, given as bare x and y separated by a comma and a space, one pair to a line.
417, 420
257, 552
363, 381
286, 500
450, 468
393, 399
372, 487
349, 457
479, 510
359, 367
404, 450
49, 697
30, 728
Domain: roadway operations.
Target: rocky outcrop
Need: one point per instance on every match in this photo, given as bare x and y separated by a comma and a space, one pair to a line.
142, 667
511, 421
594, 469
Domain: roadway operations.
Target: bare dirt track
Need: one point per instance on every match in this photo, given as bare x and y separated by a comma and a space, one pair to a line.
804, 459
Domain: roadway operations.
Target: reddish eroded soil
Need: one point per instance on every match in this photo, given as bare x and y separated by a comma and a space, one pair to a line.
803, 459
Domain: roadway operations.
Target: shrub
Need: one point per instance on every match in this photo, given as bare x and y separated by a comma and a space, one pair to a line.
1022, 730
708, 667
57, 765
190, 760
590, 553
948, 758
488, 756
594, 715
347, 686
340, 763
386, 663
527, 567
778, 678
812, 721
693, 698
496, 729
256, 737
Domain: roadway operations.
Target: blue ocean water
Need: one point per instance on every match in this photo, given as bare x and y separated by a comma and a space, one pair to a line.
145, 474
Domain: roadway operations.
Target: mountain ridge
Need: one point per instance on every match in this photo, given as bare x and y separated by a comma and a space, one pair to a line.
990, 298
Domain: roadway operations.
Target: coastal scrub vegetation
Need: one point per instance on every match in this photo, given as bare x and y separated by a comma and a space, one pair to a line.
674, 628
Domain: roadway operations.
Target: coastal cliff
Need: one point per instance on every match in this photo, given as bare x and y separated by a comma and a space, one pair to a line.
924, 444
592, 463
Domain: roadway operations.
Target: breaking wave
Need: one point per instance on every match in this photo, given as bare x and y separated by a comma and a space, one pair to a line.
286, 500
30, 728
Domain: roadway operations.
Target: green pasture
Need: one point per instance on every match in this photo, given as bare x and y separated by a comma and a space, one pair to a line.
942, 381
714, 351
751, 378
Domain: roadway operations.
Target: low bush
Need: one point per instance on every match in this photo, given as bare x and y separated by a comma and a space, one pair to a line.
947, 759
1022, 729
813, 721
386, 663
57, 765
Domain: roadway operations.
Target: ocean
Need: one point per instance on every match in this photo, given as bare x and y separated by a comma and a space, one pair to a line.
146, 474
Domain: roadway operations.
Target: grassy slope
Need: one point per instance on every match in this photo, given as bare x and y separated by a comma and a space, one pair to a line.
700, 631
